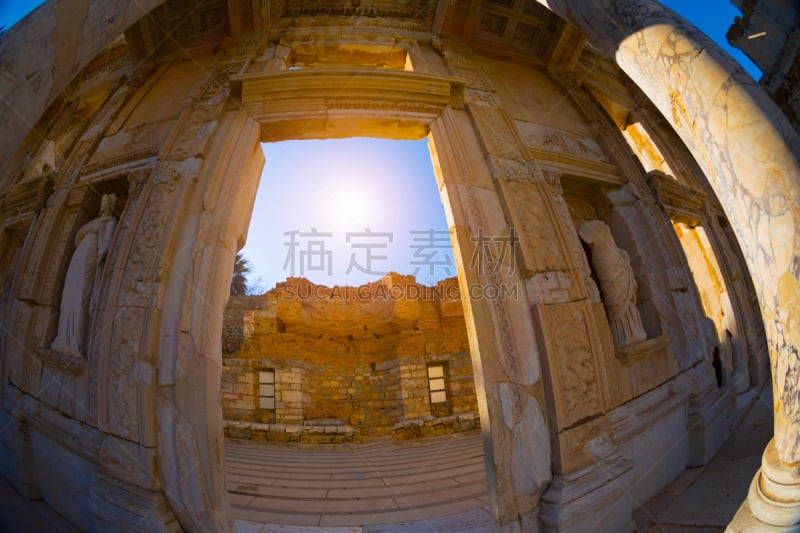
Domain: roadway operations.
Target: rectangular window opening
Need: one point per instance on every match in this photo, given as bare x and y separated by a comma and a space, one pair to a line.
437, 387
266, 392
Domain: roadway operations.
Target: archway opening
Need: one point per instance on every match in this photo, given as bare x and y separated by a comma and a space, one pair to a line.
348, 392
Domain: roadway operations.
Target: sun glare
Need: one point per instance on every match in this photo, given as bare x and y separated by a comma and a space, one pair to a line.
346, 211
351, 200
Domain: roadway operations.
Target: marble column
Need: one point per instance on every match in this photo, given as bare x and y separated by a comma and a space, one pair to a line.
749, 152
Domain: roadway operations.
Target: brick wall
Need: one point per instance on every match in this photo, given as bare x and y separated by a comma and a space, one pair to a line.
355, 356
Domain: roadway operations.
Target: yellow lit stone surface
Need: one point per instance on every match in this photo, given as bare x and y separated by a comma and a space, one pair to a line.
534, 128
353, 354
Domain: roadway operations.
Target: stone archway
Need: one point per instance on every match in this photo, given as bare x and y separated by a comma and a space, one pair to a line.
155, 433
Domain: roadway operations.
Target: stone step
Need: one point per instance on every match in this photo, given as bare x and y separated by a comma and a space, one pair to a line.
379, 483
440, 461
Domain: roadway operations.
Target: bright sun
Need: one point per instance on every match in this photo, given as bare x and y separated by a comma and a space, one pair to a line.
350, 201
328, 194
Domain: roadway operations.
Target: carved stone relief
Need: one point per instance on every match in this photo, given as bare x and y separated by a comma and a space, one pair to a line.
561, 141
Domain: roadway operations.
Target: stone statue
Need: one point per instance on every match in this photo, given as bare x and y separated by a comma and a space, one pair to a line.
617, 283
91, 246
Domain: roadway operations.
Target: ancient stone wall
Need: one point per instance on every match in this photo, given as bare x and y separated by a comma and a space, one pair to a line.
235, 328
354, 355
525, 128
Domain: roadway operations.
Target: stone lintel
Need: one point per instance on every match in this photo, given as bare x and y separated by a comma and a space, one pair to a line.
21, 203
579, 167
384, 102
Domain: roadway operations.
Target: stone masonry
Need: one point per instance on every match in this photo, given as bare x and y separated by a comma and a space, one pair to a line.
352, 360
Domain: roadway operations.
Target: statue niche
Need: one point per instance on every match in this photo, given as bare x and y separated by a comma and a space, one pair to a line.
617, 283
81, 282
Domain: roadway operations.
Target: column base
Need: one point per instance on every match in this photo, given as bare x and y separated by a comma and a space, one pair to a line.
745, 522
774, 495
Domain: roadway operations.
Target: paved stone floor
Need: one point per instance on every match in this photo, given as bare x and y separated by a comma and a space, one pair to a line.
361, 485
704, 499
433, 486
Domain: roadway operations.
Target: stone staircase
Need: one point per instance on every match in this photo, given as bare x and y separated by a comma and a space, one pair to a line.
360, 485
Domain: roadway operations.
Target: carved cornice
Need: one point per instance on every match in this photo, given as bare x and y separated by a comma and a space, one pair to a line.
578, 166
125, 163
681, 202
21, 203
348, 94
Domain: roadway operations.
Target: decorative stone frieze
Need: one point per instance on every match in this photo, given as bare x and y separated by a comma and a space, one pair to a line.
681, 202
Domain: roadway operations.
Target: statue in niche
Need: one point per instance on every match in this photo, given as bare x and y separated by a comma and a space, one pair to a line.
91, 246
617, 283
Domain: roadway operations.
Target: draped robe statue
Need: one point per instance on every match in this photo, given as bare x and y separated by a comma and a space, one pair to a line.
91, 246
617, 283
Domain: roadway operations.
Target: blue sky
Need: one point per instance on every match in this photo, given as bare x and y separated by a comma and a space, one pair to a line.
317, 199
322, 196
714, 17
13, 10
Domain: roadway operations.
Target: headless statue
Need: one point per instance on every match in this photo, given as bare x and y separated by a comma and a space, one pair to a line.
617, 283
91, 246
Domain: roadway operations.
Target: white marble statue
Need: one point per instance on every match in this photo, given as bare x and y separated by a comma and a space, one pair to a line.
617, 283
91, 246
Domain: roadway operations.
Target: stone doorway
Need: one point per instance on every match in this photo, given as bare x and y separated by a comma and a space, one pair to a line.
345, 403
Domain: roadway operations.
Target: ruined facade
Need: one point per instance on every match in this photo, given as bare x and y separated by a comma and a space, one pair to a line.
539, 119
342, 364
